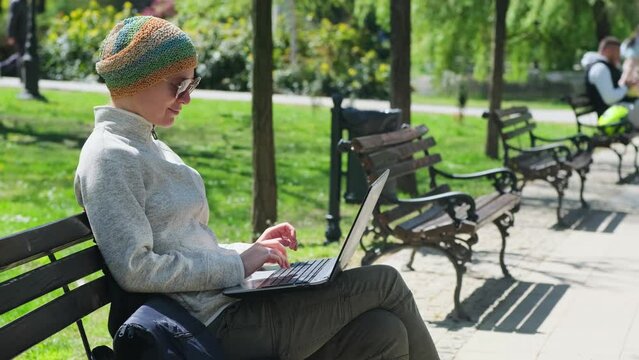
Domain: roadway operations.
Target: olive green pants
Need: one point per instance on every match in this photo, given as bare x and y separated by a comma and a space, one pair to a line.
365, 313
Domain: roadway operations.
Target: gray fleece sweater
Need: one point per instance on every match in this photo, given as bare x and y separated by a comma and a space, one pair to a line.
149, 215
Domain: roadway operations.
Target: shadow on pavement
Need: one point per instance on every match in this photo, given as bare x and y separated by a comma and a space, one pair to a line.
630, 179
592, 220
507, 305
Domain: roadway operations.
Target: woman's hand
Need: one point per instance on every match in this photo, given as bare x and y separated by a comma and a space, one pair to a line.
270, 247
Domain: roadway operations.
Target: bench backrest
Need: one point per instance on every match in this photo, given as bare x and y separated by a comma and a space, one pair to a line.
516, 128
582, 108
39, 262
404, 151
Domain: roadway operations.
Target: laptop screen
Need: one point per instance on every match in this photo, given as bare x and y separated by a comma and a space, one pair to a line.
361, 221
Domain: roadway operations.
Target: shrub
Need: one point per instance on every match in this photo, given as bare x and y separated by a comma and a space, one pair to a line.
339, 55
335, 57
224, 52
69, 49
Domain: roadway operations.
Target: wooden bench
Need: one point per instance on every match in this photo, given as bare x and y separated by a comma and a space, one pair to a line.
620, 132
62, 255
438, 218
534, 157
77, 271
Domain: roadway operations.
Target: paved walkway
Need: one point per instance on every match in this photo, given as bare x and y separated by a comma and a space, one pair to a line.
575, 293
546, 115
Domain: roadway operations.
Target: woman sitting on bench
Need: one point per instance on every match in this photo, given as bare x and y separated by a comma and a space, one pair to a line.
149, 215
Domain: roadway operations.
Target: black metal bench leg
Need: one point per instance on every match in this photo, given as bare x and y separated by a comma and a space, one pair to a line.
460, 313
459, 252
560, 182
636, 156
409, 265
560, 201
620, 157
503, 223
582, 175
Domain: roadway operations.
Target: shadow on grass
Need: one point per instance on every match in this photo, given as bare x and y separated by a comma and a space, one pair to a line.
507, 305
27, 134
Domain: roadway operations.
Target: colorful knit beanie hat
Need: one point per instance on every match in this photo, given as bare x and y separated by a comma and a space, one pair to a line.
140, 51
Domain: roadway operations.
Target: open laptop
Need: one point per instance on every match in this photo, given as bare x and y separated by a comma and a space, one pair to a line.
318, 271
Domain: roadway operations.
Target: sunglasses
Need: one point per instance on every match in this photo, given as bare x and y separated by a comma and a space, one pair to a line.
186, 86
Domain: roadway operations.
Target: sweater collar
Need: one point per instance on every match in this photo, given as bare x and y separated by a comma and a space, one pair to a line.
123, 122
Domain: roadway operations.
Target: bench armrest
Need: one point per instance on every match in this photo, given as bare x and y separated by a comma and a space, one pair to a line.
580, 141
504, 179
572, 138
557, 150
451, 200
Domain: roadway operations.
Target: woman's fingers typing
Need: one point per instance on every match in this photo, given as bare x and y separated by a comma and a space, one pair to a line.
285, 232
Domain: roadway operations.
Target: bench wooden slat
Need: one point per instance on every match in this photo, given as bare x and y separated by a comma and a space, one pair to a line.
63, 311
523, 117
408, 167
427, 218
581, 161
31, 244
40, 281
385, 157
492, 206
513, 110
366, 144
522, 130
399, 212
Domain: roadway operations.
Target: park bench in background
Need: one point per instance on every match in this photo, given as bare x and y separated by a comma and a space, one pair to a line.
34, 247
438, 218
538, 158
605, 136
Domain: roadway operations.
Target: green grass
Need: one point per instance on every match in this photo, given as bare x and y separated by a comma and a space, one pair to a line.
40, 144
483, 103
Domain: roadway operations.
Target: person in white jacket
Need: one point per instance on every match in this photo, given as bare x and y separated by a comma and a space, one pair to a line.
606, 85
149, 214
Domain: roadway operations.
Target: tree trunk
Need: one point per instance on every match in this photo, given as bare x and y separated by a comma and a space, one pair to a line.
400, 95
400, 91
497, 77
602, 23
264, 210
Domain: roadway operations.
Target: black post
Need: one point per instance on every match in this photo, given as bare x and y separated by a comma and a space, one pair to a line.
30, 60
333, 232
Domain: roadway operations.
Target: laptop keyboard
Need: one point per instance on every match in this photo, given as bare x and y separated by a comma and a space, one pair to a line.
298, 273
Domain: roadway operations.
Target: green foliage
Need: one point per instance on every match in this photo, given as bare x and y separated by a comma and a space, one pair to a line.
343, 51
453, 36
457, 35
224, 53
201, 10
334, 53
222, 35
70, 47
336, 58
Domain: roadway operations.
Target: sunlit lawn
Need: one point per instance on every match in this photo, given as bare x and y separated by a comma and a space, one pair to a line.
40, 144
483, 103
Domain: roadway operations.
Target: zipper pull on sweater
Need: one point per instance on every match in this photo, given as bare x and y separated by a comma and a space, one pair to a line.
153, 133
